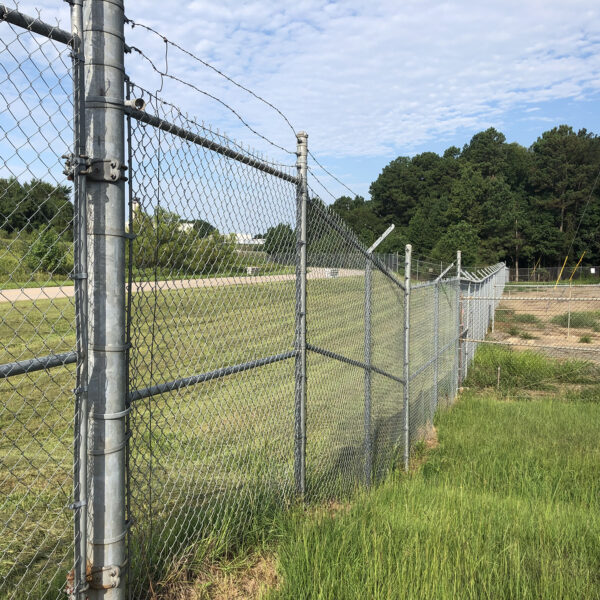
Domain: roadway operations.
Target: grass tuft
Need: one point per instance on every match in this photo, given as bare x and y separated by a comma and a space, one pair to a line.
507, 506
578, 320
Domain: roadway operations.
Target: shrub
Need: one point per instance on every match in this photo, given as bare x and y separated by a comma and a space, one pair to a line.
526, 318
579, 320
49, 253
585, 339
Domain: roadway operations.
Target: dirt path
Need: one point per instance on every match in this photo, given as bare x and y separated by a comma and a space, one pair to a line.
68, 291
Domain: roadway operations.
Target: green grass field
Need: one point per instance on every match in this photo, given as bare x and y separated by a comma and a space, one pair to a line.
507, 506
217, 457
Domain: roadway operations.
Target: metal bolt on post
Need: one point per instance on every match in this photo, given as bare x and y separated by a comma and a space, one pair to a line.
105, 195
406, 376
300, 345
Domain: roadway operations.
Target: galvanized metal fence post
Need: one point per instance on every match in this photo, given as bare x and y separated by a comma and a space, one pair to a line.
436, 342
367, 413
300, 345
459, 318
79, 276
105, 195
406, 370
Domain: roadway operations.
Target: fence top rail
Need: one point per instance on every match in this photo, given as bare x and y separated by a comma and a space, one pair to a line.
549, 284
14, 17
194, 138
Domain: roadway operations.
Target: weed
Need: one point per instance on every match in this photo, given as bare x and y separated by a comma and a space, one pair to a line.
585, 339
525, 335
578, 320
526, 318
506, 507
526, 369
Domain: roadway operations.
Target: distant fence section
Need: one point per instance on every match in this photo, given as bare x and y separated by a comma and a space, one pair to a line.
187, 386
537, 274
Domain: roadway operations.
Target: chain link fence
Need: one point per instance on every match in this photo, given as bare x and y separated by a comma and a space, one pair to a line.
37, 308
542, 336
239, 348
538, 274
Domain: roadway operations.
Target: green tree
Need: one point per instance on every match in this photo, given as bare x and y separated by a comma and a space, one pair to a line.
25, 207
280, 240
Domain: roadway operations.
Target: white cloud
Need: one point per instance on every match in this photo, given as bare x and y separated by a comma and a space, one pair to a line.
369, 79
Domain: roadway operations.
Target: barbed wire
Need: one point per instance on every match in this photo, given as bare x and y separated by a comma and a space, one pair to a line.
212, 67
209, 95
224, 139
332, 175
208, 65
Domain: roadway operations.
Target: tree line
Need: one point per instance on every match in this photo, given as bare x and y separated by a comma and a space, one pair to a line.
496, 201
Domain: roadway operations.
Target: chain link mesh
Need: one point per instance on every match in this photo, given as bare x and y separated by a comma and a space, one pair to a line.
36, 316
538, 336
213, 287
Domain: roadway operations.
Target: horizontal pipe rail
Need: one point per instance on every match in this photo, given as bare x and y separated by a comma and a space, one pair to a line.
14, 17
190, 136
351, 361
37, 364
530, 299
431, 283
177, 384
357, 245
578, 348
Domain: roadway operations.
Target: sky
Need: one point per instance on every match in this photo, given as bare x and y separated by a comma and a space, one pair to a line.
370, 81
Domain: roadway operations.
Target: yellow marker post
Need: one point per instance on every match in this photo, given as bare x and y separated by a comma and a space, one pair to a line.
575, 269
561, 271
535, 266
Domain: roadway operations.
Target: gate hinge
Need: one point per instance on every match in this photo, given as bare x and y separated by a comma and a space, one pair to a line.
109, 169
96, 169
104, 578
75, 165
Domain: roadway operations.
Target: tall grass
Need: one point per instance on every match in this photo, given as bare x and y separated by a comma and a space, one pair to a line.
506, 507
526, 369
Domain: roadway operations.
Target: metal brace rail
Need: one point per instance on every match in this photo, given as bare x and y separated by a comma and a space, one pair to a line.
22, 367
178, 384
441, 351
352, 361
14, 17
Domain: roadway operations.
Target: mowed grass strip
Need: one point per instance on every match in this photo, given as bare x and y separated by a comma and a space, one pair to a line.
199, 454
507, 506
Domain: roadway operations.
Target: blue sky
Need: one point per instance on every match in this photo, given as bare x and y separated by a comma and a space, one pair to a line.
374, 80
